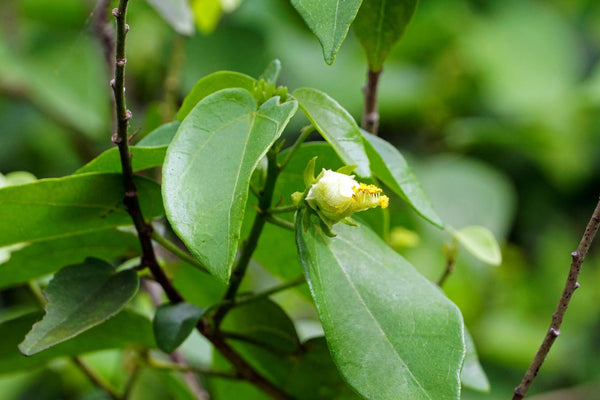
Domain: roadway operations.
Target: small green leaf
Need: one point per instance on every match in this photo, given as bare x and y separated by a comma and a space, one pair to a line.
205, 196
47, 256
173, 323
51, 208
389, 166
123, 330
207, 14
271, 73
480, 242
177, 13
309, 172
80, 297
211, 84
329, 20
391, 332
472, 375
336, 125
379, 24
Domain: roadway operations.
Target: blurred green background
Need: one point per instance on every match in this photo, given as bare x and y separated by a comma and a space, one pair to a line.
496, 104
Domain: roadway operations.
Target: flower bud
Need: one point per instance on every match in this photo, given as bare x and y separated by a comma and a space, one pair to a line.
336, 196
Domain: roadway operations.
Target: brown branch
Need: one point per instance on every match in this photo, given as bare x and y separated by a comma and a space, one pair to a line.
144, 229
570, 286
121, 139
370, 120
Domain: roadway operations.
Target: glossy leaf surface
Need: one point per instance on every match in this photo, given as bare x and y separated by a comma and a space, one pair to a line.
45, 257
70, 205
211, 84
391, 332
80, 297
173, 323
379, 24
329, 20
336, 125
208, 168
391, 168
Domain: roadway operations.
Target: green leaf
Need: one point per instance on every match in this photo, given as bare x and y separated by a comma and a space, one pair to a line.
391, 332
177, 13
148, 153
271, 73
161, 136
336, 125
45, 257
173, 323
123, 330
391, 168
379, 24
207, 14
480, 242
472, 375
211, 84
57, 207
329, 20
205, 196
80, 297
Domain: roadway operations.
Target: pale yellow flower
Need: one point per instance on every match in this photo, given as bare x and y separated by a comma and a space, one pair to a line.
336, 196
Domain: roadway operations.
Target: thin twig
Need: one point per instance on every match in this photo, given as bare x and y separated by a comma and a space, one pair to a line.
104, 31
282, 209
96, 379
282, 223
571, 285
450, 250
174, 249
370, 120
269, 292
154, 363
121, 139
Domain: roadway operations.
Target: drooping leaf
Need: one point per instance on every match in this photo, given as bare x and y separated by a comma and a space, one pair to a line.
123, 330
177, 13
205, 196
472, 374
391, 332
80, 297
271, 73
480, 242
173, 323
329, 20
391, 168
148, 153
211, 84
45, 257
51, 208
379, 24
336, 125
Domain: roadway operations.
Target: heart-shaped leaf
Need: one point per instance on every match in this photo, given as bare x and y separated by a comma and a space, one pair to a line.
336, 125
208, 167
80, 297
329, 20
379, 24
173, 323
391, 332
